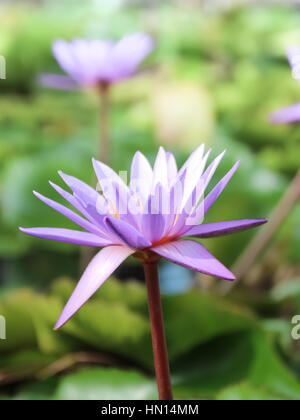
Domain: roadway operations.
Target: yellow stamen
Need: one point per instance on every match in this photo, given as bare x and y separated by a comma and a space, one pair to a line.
140, 204
176, 218
113, 211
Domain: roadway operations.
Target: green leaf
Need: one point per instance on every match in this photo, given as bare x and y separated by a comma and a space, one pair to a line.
45, 312
287, 291
40, 390
113, 327
131, 293
104, 383
245, 392
23, 364
194, 318
20, 331
230, 360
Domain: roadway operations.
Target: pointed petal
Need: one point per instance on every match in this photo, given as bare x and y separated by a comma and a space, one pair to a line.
193, 255
67, 235
160, 170
125, 233
203, 182
192, 179
286, 115
93, 202
209, 200
81, 188
217, 190
192, 191
98, 270
108, 179
209, 230
172, 167
141, 176
194, 159
77, 204
209, 172
68, 213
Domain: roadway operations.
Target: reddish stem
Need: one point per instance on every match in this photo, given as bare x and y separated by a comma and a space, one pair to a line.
159, 345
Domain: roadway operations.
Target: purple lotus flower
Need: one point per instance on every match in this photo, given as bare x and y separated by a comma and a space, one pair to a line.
90, 63
290, 113
153, 217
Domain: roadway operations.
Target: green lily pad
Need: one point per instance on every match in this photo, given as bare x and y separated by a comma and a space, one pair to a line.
105, 384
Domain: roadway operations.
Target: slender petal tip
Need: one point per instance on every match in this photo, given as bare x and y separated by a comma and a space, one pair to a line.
261, 221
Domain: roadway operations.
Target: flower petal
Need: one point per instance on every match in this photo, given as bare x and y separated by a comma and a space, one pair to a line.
125, 233
195, 256
153, 226
160, 169
209, 200
128, 53
75, 202
293, 55
73, 57
57, 81
141, 175
172, 167
209, 172
67, 235
203, 182
85, 224
108, 179
192, 179
64, 55
227, 227
93, 202
286, 115
194, 159
98, 270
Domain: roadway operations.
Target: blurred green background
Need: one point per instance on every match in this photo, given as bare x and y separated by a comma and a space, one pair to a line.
215, 75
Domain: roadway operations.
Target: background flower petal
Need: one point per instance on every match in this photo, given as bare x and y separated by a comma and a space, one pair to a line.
286, 115
57, 81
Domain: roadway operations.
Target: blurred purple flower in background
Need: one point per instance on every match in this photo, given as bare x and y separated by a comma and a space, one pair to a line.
94, 62
143, 228
290, 113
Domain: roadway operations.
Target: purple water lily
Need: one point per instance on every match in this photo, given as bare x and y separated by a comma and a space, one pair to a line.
153, 217
290, 113
96, 62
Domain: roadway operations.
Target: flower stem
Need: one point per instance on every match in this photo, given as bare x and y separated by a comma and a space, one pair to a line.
159, 345
263, 237
104, 140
